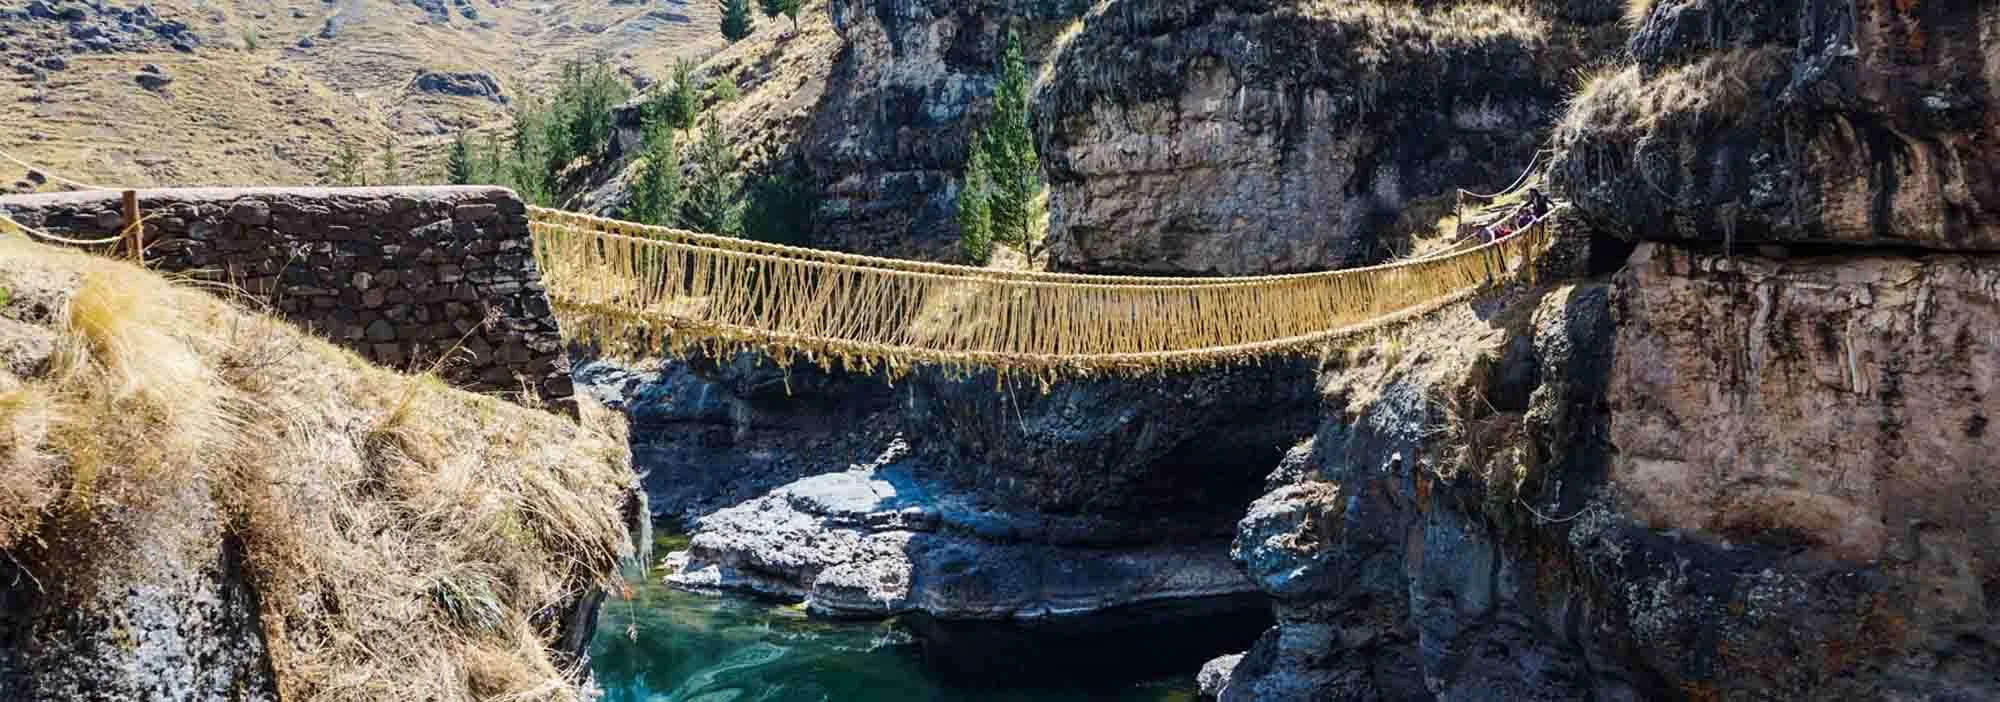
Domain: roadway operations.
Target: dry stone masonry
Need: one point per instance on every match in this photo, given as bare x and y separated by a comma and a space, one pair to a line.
400, 275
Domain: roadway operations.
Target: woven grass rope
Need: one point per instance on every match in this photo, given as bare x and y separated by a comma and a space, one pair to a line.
635, 290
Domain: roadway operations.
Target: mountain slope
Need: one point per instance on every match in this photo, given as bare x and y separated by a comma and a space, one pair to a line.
266, 91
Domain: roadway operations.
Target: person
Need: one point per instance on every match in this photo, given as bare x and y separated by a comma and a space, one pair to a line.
1538, 204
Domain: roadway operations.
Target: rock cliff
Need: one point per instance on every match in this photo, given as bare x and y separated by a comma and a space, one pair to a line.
943, 496
1721, 472
1805, 121
907, 91
1252, 137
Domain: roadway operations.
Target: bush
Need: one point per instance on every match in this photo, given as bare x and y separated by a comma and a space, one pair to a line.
780, 206
724, 89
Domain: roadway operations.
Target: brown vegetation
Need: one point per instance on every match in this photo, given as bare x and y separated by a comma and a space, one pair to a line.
406, 541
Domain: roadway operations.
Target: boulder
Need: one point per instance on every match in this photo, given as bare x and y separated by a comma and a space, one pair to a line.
464, 84
153, 80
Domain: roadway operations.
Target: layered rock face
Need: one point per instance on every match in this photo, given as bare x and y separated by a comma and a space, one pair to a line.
889, 137
964, 498
1683, 484
1806, 121
1251, 137
1745, 473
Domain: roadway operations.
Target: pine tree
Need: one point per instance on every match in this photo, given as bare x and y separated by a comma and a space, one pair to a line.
676, 105
489, 165
459, 164
736, 20
711, 199
656, 191
585, 97
1010, 146
345, 168
779, 207
392, 162
975, 208
531, 162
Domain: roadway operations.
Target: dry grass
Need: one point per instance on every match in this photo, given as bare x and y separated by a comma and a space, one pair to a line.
1716, 89
407, 541
1408, 25
274, 115
1636, 12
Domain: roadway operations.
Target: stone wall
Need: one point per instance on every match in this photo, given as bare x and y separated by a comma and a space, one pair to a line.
399, 275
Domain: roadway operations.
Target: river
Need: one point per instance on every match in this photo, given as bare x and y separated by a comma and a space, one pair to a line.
666, 645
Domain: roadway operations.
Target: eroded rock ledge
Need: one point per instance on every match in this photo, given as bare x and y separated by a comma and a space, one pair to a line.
876, 541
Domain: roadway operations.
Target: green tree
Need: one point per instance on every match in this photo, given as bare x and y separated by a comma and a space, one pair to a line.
1003, 174
975, 208
656, 188
489, 166
346, 168
788, 8
459, 163
711, 204
1010, 147
736, 20
779, 207
679, 104
536, 154
585, 96
392, 161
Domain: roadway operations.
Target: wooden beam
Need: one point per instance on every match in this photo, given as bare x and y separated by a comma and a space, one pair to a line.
134, 231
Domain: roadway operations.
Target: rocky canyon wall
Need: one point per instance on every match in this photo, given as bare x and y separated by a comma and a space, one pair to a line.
1254, 137
1747, 465
889, 138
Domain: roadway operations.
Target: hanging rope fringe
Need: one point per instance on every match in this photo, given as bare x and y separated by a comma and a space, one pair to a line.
635, 290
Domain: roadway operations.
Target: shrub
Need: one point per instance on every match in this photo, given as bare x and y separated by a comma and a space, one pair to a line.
780, 206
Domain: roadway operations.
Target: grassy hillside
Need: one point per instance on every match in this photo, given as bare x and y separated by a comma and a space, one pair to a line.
404, 540
253, 103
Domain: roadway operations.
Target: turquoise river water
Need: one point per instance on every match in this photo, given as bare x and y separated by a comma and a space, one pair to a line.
670, 646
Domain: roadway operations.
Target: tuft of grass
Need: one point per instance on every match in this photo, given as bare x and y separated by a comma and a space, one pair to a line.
1717, 89
1636, 12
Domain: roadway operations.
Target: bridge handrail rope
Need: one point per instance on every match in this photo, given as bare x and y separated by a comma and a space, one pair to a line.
1527, 175
52, 175
639, 295
649, 231
126, 234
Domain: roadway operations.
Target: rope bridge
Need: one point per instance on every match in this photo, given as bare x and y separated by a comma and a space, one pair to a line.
637, 290
643, 290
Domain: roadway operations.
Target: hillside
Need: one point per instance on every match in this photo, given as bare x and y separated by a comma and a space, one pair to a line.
201, 502
265, 91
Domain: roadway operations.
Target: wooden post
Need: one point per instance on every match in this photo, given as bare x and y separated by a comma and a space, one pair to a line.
134, 232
